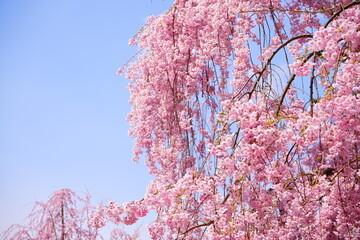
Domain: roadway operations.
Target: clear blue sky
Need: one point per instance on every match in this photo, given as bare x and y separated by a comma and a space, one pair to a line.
62, 106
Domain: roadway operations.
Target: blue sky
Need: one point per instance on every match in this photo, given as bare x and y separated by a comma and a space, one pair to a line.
62, 106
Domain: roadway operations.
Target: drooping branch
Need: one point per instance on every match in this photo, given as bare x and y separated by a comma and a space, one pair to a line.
288, 85
198, 226
272, 56
350, 5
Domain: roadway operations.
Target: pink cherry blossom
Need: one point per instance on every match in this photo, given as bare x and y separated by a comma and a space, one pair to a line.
65, 216
247, 115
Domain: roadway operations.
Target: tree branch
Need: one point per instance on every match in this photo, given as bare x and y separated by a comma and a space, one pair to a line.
357, 2
288, 85
273, 55
198, 226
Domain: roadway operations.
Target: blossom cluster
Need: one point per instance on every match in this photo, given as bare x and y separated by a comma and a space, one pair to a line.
247, 114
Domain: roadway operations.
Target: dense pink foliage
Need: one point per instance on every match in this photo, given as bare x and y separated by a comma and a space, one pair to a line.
248, 114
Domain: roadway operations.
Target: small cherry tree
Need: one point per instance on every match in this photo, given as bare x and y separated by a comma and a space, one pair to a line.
248, 115
64, 217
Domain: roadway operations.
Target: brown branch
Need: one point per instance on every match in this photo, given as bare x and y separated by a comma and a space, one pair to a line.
198, 226
343, 168
357, 2
273, 55
288, 85
312, 91
288, 154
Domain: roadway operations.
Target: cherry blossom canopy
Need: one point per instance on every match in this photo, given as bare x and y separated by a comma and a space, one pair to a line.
247, 114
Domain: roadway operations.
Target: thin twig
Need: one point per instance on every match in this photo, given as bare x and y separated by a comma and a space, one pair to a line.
288, 85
